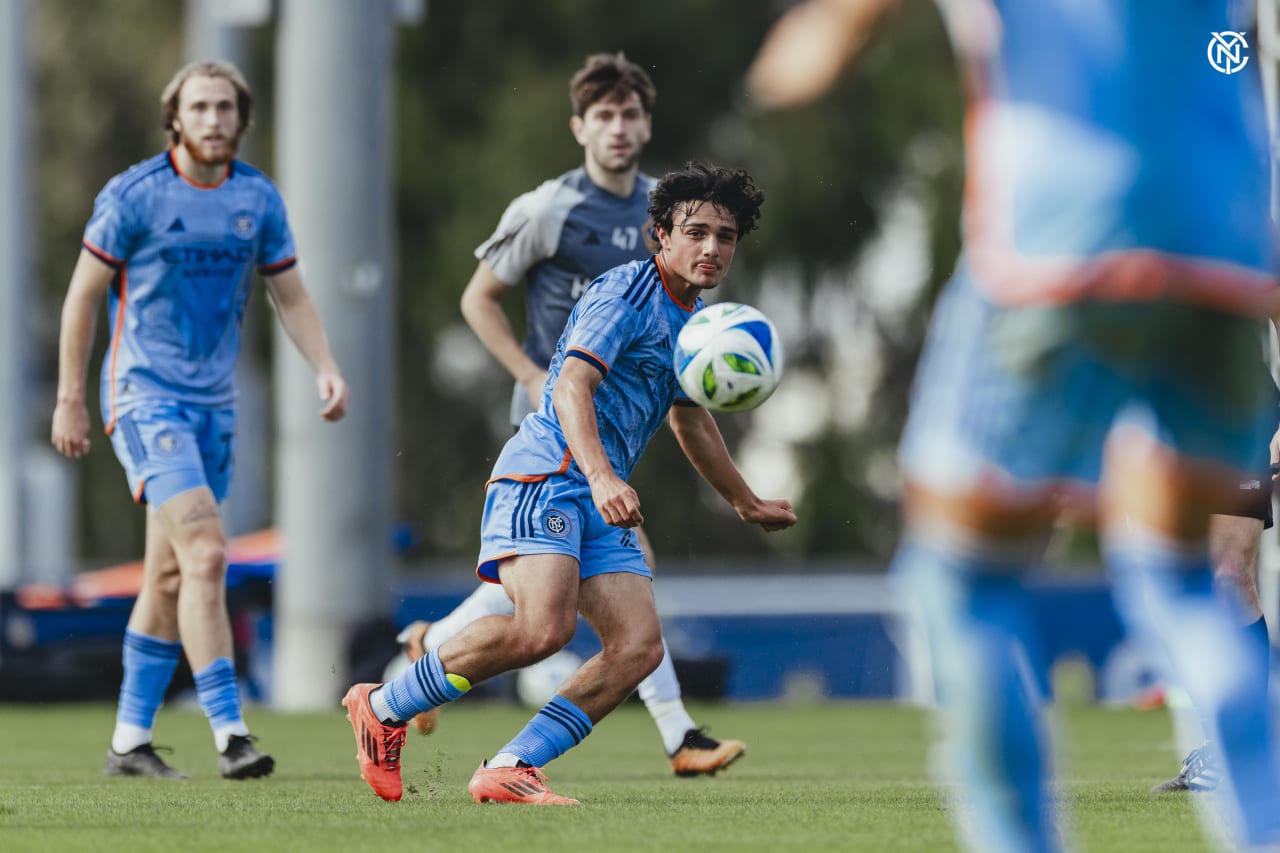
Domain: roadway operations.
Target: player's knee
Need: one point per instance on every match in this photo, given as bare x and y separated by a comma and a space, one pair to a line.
636, 654
166, 581
205, 560
652, 656
546, 639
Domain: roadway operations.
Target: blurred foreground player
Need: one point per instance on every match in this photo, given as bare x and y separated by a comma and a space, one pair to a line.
1100, 331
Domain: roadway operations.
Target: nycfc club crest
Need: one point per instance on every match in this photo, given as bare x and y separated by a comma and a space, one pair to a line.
167, 443
244, 225
556, 524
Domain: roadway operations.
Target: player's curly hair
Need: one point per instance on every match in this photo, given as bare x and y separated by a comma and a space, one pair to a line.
609, 76
205, 68
731, 190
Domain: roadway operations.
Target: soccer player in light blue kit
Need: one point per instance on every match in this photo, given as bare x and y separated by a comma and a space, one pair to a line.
556, 239
559, 522
175, 241
1100, 333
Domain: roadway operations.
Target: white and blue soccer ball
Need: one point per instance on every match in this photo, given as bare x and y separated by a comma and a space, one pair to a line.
728, 357
537, 683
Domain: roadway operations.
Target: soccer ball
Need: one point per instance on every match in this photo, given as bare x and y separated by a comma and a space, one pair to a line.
728, 357
536, 684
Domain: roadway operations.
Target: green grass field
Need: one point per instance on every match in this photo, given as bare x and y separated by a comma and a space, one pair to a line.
815, 777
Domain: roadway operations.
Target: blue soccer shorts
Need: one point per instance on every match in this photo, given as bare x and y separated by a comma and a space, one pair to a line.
1025, 397
168, 448
554, 515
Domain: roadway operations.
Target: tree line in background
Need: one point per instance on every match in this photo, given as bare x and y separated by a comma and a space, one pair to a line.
479, 114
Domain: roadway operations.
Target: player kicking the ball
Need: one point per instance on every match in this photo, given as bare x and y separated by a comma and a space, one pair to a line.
538, 241
559, 518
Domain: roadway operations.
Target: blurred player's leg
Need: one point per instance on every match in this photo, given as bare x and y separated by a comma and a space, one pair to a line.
194, 527
979, 618
1157, 548
1233, 553
690, 750
984, 450
151, 650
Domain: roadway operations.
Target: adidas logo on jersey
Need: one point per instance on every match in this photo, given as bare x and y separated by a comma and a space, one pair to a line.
177, 226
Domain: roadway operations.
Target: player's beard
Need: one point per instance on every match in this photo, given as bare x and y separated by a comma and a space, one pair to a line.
197, 153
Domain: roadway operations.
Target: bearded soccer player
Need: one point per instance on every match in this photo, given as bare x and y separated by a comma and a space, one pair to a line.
174, 243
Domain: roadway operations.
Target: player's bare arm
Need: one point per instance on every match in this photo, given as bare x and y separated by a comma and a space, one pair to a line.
803, 54
301, 321
483, 311
703, 445
574, 400
89, 281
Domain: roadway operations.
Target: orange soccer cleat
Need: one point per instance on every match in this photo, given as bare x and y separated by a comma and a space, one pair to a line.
378, 744
526, 785
701, 755
414, 639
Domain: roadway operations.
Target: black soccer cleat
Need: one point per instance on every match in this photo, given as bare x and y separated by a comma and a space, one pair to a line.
703, 755
140, 761
240, 760
1200, 772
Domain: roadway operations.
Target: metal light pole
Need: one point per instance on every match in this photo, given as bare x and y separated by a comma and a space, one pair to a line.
15, 286
333, 480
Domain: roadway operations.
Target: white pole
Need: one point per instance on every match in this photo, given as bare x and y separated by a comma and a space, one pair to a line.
16, 287
334, 480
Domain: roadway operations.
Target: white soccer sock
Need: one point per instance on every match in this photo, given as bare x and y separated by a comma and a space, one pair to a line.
127, 737
489, 599
502, 759
382, 710
222, 734
672, 720
660, 693
661, 684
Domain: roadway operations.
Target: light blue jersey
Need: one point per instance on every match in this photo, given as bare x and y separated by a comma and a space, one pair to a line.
1084, 117
557, 239
186, 255
625, 325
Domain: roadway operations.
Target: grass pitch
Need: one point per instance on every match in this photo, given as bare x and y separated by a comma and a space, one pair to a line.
816, 777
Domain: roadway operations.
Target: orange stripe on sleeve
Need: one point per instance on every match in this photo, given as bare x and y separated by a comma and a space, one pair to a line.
278, 266
589, 357
116, 334
102, 255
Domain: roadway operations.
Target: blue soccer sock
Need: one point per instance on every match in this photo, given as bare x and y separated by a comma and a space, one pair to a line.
987, 668
1261, 641
220, 698
1215, 659
148, 668
558, 727
421, 687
